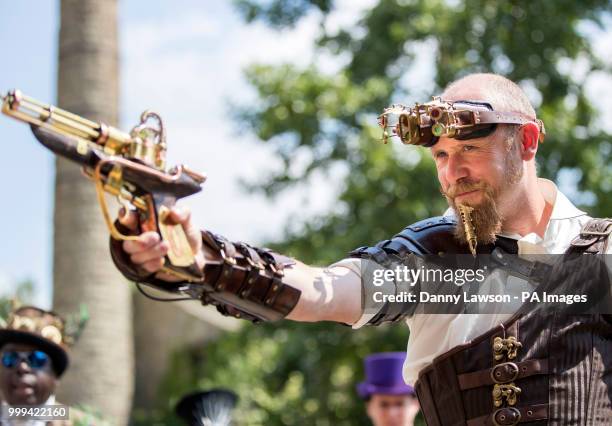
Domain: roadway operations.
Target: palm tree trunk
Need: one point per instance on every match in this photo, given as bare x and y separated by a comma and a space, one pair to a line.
101, 371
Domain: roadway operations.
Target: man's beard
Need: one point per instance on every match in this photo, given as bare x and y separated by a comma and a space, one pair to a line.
486, 217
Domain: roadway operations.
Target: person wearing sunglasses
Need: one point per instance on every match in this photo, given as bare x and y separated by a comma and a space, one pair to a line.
499, 365
33, 356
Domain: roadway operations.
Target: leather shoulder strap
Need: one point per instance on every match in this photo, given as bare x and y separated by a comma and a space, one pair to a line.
593, 237
428, 236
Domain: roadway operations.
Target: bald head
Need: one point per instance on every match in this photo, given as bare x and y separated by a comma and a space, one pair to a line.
501, 93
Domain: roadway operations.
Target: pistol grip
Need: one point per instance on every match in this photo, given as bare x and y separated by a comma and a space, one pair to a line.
180, 260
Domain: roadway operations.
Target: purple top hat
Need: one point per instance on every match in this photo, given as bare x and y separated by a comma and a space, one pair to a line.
384, 375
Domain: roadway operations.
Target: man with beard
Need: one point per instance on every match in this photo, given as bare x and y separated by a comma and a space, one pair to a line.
477, 369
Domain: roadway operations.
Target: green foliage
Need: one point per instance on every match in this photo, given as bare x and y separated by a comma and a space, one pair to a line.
85, 415
279, 13
294, 374
75, 324
22, 294
305, 374
296, 115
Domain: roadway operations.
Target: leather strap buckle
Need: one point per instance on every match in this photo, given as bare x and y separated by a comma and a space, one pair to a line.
221, 243
249, 254
275, 270
597, 228
595, 233
504, 373
507, 416
257, 265
226, 258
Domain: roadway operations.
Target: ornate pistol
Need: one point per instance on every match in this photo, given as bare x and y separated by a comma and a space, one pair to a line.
131, 167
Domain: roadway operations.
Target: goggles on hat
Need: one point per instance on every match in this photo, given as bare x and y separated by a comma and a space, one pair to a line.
424, 124
35, 359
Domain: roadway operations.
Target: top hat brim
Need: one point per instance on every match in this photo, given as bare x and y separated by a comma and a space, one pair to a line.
366, 390
58, 355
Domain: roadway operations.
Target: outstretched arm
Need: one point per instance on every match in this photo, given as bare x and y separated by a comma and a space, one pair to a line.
327, 294
330, 294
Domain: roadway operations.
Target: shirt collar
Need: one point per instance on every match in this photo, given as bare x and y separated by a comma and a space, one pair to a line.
563, 208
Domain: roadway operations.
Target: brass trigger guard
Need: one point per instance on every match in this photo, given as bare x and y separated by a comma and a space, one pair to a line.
115, 233
99, 183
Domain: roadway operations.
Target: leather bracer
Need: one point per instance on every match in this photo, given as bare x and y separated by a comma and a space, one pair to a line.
247, 282
240, 280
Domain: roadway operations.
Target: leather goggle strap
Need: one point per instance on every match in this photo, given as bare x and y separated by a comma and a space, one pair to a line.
500, 117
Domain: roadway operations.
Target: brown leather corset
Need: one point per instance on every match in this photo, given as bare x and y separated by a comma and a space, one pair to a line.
534, 369
539, 367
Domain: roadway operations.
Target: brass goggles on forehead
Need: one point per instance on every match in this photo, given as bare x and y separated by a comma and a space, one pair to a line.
424, 124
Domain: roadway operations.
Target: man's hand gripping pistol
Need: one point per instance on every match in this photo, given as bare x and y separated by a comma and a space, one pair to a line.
240, 280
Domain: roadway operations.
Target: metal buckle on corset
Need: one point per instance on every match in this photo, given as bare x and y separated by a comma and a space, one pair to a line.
505, 347
497, 373
507, 416
508, 391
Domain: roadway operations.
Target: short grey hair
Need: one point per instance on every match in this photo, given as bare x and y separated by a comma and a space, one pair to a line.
500, 92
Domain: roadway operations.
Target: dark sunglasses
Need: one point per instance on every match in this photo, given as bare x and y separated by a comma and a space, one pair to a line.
35, 359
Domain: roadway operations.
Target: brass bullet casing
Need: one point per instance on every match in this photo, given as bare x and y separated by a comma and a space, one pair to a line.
465, 214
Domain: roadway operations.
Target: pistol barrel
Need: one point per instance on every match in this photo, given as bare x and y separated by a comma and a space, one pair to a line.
24, 108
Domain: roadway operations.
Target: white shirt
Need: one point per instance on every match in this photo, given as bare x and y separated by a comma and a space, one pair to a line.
434, 334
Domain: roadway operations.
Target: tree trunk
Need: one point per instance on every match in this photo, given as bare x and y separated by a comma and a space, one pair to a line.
101, 370
171, 327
